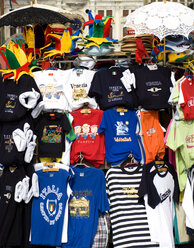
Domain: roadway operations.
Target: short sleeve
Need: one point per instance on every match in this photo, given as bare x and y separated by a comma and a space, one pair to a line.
66, 125
102, 126
95, 88
103, 204
147, 187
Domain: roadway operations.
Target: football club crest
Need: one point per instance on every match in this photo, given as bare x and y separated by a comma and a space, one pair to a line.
51, 206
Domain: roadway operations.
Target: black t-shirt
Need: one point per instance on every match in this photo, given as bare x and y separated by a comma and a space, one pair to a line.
10, 107
8, 150
109, 91
11, 217
153, 87
51, 129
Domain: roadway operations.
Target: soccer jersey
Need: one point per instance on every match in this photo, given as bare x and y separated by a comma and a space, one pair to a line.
88, 201
51, 129
109, 91
187, 88
153, 87
48, 209
128, 216
159, 187
121, 135
77, 84
89, 142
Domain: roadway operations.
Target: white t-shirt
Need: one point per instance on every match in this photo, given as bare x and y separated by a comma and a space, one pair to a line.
50, 83
158, 197
188, 202
77, 84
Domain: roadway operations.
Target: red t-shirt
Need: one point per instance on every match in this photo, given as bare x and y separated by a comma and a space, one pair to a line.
89, 142
187, 88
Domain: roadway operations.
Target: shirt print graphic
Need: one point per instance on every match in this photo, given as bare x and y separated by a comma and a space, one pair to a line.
52, 134
79, 92
51, 92
86, 131
190, 141
122, 130
116, 93
50, 206
8, 141
10, 103
154, 87
130, 192
190, 102
79, 206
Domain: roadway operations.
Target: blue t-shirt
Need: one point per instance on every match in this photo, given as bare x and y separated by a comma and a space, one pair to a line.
121, 135
48, 209
89, 199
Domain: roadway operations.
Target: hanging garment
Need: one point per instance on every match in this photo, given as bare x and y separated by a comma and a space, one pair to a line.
88, 201
128, 216
159, 189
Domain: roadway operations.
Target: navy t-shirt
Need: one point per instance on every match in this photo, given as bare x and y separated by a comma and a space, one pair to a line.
109, 91
153, 87
10, 107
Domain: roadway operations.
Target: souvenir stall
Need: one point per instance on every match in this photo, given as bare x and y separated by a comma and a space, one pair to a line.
96, 150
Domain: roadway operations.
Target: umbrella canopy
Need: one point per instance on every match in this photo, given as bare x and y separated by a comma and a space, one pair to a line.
37, 13
162, 19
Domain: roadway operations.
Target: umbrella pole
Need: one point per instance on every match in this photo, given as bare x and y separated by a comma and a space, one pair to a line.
34, 40
164, 43
164, 52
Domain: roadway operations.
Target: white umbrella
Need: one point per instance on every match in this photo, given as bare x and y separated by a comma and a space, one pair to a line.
162, 19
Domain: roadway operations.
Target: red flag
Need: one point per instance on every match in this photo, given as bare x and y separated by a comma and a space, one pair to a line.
14, 1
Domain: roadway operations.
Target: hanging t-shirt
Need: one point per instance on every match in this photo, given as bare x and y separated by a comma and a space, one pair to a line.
128, 216
187, 88
153, 87
188, 202
48, 209
50, 83
180, 140
77, 84
8, 150
11, 108
88, 201
89, 142
109, 91
152, 135
11, 217
121, 135
51, 129
159, 188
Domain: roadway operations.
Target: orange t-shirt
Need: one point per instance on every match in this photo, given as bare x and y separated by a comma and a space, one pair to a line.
152, 135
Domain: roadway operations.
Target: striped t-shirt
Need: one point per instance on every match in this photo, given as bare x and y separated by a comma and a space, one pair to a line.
128, 217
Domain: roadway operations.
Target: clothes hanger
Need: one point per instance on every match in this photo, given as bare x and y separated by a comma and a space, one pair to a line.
129, 161
80, 163
160, 164
50, 167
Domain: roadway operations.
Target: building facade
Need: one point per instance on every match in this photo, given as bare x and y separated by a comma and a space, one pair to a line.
119, 9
